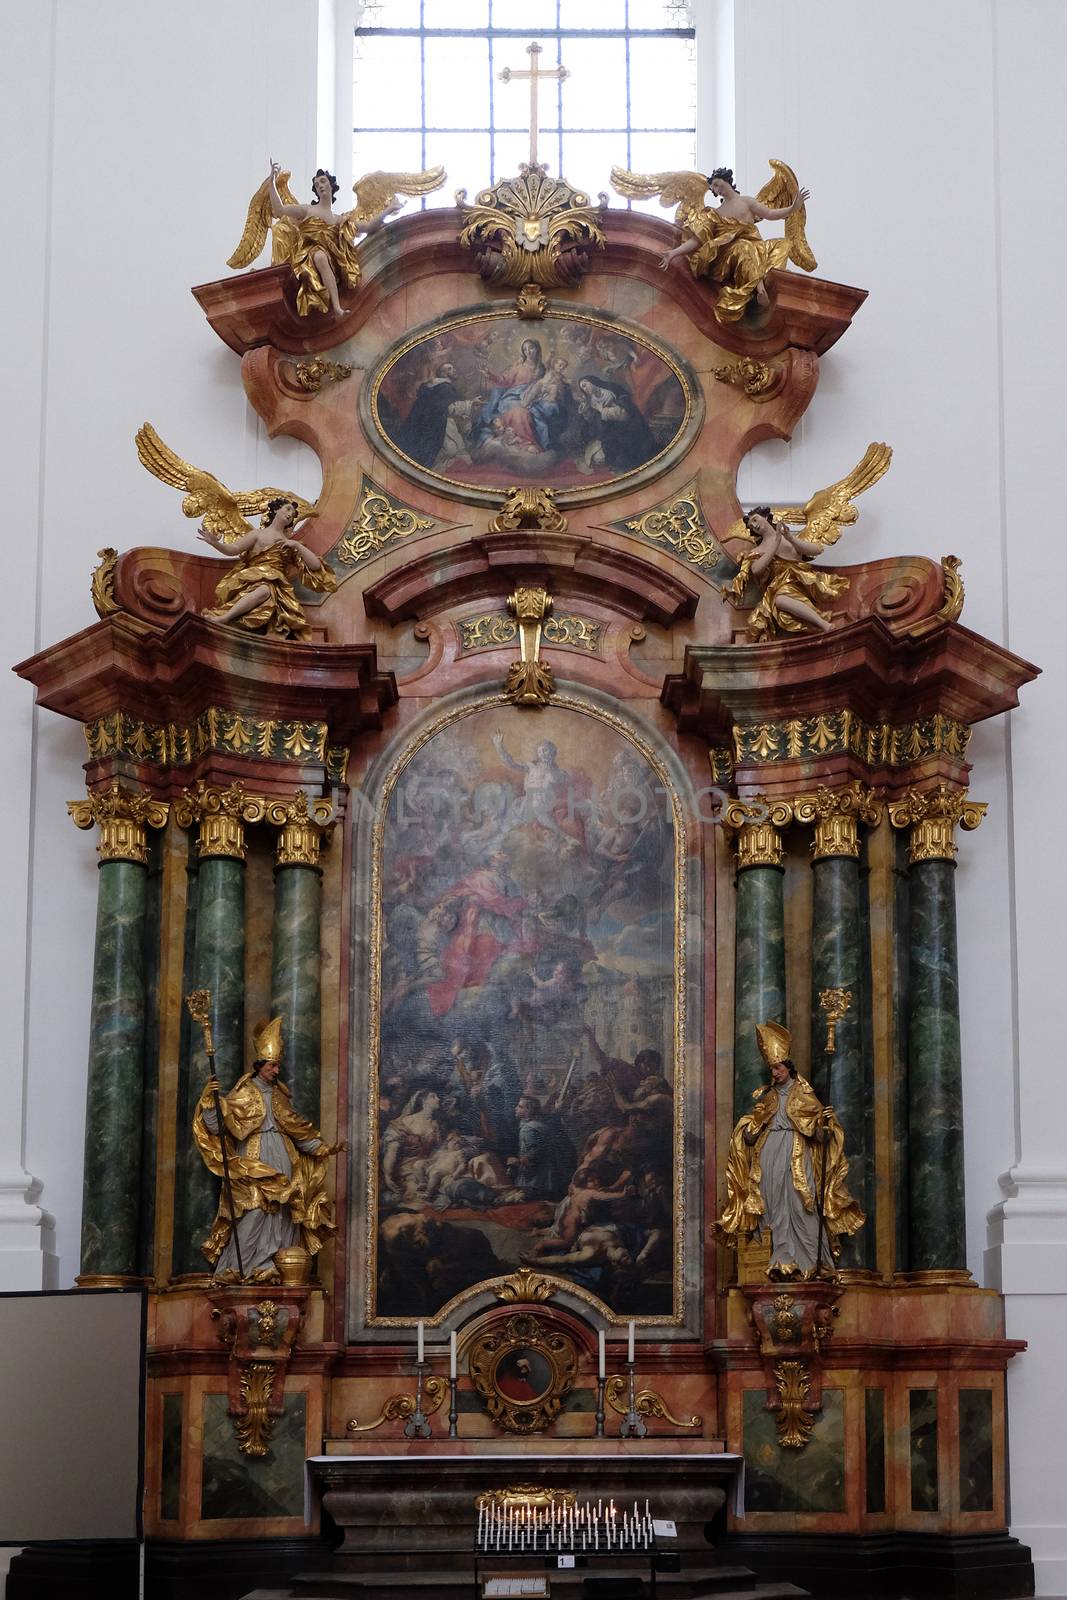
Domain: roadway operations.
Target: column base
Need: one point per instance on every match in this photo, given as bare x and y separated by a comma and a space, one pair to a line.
936, 1278
858, 1276
28, 1260
108, 1280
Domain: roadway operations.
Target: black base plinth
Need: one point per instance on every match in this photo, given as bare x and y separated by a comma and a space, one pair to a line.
211, 1569
891, 1566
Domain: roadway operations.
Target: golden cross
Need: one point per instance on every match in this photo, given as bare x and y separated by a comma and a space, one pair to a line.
534, 74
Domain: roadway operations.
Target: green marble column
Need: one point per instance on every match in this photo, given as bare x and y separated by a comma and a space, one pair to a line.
219, 965
936, 1230
150, 1121
843, 1079
295, 980
115, 1098
759, 936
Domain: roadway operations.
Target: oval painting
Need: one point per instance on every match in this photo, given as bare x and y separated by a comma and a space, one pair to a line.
477, 403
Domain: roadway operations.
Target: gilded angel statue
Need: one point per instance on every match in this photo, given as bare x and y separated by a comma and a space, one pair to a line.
724, 244
257, 591
766, 549
317, 243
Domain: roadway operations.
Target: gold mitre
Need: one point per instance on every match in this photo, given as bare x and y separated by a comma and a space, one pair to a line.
774, 1042
267, 1041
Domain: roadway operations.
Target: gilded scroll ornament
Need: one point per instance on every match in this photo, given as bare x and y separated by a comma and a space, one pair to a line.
492, 629
123, 817
525, 1286
680, 524
757, 823
758, 380
778, 560
529, 508
399, 1407
952, 603
522, 1372
317, 243
725, 245
379, 520
312, 375
530, 682
255, 1428
256, 593
836, 814
532, 232
103, 582
221, 815
302, 824
647, 1403
794, 1420
933, 815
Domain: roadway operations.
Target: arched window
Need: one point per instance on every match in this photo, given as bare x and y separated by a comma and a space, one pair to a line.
427, 88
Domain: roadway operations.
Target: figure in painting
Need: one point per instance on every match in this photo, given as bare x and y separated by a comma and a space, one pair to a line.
257, 593
768, 553
618, 435
318, 243
422, 433
724, 244
786, 1170
276, 1162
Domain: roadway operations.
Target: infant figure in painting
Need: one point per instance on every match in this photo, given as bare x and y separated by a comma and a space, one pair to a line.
724, 244
786, 1170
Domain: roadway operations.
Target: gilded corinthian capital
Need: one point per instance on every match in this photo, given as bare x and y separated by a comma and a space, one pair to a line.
757, 822
123, 817
303, 824
933, 815
836, 814
221, 814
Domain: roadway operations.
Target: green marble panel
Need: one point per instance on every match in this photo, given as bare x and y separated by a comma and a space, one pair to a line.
296, 978
976, 1449
218, 965
874, 1447
937, 1238
922, 1418
170, 1471
838, 951
759, 977
806, 1480
115, 1095
236, 1485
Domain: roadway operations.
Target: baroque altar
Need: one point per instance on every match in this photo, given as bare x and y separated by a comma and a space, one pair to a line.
523, 777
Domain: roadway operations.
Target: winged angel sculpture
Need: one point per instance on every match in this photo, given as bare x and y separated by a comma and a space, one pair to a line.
724, 244
765, 550
319, 245
257, 592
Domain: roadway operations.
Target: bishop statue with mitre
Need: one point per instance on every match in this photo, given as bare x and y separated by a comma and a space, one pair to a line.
786, 1169
274, 1175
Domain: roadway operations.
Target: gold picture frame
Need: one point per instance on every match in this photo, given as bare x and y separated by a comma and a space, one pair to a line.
522, 1370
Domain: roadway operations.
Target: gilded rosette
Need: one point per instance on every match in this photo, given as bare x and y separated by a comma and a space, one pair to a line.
123, 817
933, 815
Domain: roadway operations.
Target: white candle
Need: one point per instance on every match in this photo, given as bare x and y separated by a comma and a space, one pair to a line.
629, 1343
421, 1348
601, 1369
452, 1354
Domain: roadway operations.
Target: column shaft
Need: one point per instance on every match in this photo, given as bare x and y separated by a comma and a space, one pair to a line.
296, 980
115, 1095
759, 973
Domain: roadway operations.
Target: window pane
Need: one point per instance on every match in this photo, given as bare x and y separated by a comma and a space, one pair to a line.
511, 148
387, 84
457, 83
449, 14
592, 14
386, 152
465, 157
660, 14
589, 157
663, 152
662, 83
389, 14
524, 13
594, 96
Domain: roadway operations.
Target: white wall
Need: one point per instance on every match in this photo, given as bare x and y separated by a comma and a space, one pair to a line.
928, 135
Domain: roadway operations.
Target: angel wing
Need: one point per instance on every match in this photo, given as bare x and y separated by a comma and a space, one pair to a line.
378, 192
685, 190
830, 510
258, 221
782, 190
222, 510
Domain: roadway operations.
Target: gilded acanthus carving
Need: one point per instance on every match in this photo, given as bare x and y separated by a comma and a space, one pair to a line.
757, 822
492, 629
933, 815
103, 582
529, 508
758, 380
221, 814
123, 817
791, 1328
836, 815
259, 1335
647, 1403
302, 824
532, 232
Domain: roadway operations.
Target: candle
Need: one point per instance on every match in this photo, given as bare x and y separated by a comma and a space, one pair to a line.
601, 1368
421, 1347
629, 1343
452, 1354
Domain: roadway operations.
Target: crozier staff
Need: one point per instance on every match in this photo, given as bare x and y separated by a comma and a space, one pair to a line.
784, 1154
